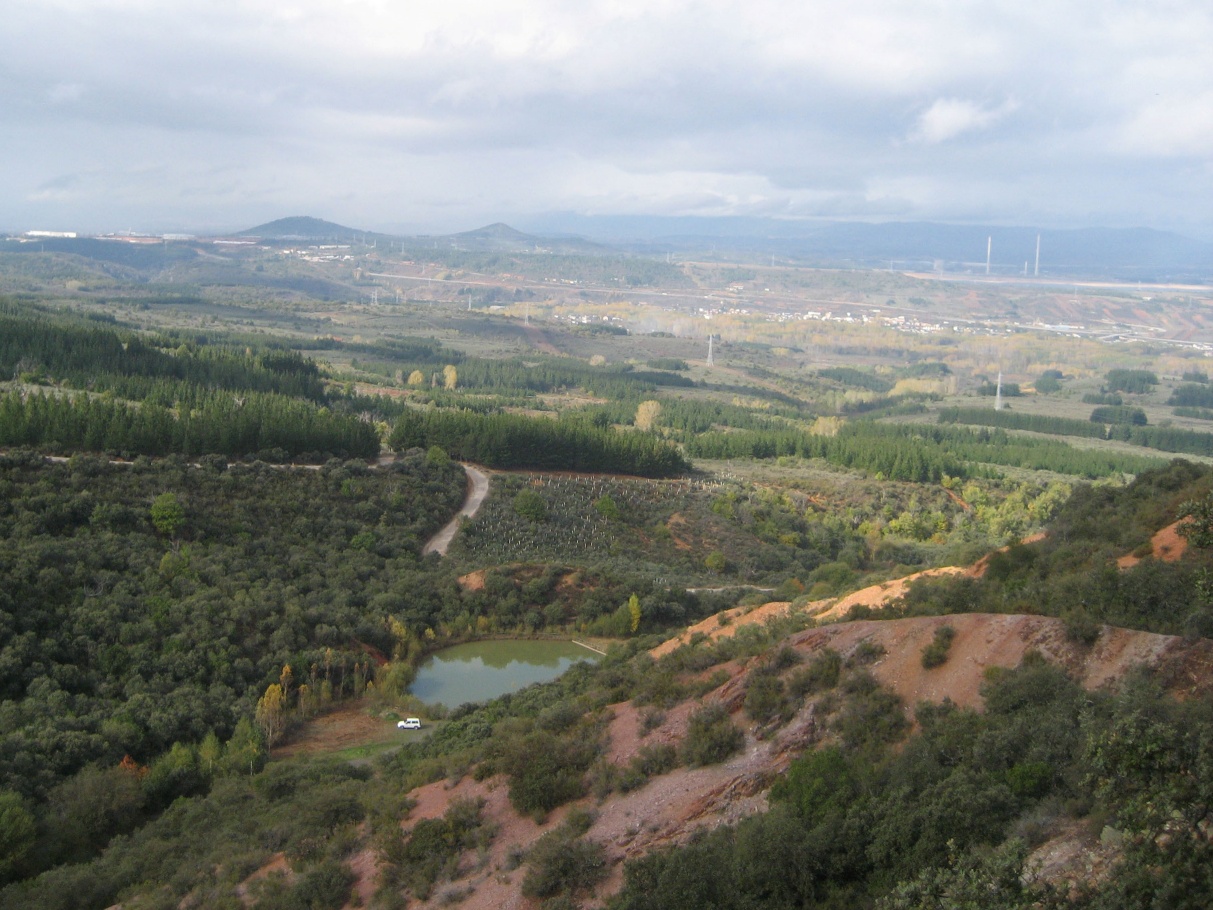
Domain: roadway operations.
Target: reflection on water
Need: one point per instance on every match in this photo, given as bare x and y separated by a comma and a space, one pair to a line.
481, 670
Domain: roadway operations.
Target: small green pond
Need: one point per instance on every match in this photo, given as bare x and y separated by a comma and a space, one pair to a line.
483, 670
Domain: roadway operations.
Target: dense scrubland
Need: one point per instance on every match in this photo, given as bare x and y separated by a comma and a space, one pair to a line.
166, 621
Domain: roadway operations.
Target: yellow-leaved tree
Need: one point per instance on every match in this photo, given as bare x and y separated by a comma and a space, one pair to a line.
647, 413
634, 612
271, 714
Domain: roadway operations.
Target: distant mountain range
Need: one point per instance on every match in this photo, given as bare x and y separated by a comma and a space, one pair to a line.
304, 227
503, 238
493, 238
1126, 254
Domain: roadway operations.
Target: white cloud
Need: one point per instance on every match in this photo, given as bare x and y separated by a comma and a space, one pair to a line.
948, 118
1170, 127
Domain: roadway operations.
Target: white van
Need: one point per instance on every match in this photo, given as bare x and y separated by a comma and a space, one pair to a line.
409, 723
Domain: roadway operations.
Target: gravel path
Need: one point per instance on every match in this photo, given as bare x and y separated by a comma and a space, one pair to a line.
480, 488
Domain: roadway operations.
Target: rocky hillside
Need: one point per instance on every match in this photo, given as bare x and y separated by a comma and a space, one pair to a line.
672, 806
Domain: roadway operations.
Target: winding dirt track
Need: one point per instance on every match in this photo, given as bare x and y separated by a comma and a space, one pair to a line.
479, 489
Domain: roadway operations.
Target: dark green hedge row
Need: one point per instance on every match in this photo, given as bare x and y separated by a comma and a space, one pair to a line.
1164, 439
513, 441
918, 452
222, 424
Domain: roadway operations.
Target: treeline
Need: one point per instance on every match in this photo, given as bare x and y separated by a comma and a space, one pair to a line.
1137, 382
918, 453
1164, 439
558, 375
1119, 414
668, 363
1017, 420
138, 367
273, 426
417, 350
691, 416
991, 389
853, 377
864, 447
1192, 395
887, 405
1193, 413
686, 417
512, 441
517, 378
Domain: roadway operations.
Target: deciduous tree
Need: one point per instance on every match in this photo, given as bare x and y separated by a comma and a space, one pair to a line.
271, 714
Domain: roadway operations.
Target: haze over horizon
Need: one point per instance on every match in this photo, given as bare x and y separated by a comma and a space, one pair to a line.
220, 116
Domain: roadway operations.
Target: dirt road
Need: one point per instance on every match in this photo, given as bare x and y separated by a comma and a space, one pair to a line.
480, 488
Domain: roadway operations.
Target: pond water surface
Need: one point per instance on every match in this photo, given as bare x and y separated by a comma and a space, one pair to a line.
483, 670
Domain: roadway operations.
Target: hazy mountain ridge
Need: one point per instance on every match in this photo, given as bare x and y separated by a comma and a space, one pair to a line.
303, 227
1113, 250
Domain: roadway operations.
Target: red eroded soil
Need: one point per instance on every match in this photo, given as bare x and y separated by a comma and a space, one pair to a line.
277, 865
878, 595
723, 624
874, 597
1168, 545
978, 569
473, 581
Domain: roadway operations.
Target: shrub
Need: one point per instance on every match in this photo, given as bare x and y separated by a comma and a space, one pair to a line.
785, 657
660, 687
872, 716
711, 737
820, 675
529, 505
764, 697
560, 864
607, 508
818, 784
547, 771
605, 778
432, 849
652, 761
936, 653
325, 887
1081, 627
866, 652
710, 683
650, 720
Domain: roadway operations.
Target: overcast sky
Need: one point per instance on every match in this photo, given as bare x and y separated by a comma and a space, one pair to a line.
435, 116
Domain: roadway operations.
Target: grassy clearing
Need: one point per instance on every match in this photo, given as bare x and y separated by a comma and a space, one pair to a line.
357, 729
